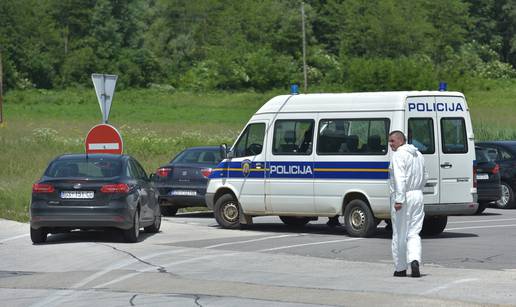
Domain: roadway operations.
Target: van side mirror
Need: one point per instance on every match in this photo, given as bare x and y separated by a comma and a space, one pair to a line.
152, 177
224, 152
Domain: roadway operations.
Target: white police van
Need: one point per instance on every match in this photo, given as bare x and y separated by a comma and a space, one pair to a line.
306, 156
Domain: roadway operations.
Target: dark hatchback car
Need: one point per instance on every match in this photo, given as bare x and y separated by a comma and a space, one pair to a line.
94, 191
488, 179
183, 181
504, 153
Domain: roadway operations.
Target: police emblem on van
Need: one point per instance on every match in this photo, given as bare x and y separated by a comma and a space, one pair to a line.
246, 167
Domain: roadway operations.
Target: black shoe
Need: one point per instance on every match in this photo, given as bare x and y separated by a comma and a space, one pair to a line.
414, 265
333, 222
400, 273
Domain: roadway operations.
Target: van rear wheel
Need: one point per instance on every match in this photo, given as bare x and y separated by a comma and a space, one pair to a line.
295, 221
227, 212
434, 225
359, 219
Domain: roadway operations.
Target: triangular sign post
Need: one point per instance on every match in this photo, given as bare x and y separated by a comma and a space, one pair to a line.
105, 88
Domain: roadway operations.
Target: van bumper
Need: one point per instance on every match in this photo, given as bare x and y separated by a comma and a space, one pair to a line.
209, 200
451, 209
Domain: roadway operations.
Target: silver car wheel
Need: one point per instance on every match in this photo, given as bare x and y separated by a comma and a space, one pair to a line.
358, 218
506, 195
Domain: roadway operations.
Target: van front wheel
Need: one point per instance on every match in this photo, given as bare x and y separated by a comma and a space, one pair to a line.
226, 211
359, 219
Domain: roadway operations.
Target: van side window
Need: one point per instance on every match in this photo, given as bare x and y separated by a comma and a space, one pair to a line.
251, 141
421, 134
453, 132
293, 137
353, 136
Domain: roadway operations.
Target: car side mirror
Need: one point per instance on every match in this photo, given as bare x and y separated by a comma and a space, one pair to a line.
225, 153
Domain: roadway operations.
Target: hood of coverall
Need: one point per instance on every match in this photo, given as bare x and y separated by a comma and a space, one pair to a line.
411, 149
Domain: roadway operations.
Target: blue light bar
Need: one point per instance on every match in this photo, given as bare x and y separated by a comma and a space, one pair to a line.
443, 86
294, 89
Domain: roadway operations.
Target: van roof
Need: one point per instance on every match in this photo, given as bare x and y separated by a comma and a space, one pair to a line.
342, 102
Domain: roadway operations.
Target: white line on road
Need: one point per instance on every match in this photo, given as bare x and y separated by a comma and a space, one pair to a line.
14, 238
63, 294
446, 286
481, 221
124, 277
306, 244
252, 240
478, 227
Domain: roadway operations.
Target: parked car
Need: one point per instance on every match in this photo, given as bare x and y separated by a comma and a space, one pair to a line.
182, 182
504, 153
94, 191
488, 180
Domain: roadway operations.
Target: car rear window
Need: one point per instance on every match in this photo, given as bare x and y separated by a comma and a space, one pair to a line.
481, 155
85, 168
198, 156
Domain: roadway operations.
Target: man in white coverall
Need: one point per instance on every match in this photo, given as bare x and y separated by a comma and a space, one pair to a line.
407, 177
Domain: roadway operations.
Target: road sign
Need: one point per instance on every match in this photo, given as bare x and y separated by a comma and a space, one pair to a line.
105, 88
104, 138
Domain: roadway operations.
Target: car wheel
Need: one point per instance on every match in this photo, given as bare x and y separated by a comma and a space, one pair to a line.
38, 235
168, 210
227, 212
481, 208
434, 225
131, 234
154, 228
359, 219
507, 199
295, 221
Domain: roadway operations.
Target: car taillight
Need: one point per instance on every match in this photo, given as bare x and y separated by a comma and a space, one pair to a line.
474, 176
115, 188
42, 188
496, 169
163, 172
206, 172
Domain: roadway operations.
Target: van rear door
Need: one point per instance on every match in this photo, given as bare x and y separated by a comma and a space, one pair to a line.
456, 150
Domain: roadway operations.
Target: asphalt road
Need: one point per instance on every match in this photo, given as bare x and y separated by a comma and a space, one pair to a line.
193, 262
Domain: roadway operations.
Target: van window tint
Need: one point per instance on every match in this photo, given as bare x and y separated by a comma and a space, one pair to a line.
251, 141
421, 134
453, 131
293, 137
353, 136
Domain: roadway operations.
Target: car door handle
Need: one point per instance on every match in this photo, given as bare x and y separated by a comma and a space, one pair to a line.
446, 165
258, 166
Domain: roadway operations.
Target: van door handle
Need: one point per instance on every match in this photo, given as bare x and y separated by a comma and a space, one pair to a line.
258, 166
446, 165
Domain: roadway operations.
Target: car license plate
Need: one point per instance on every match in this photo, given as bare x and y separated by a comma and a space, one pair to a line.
482, 176
77, 194
184, 193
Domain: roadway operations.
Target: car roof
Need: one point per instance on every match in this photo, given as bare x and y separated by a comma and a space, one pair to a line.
508, 143
202, 148
97, 156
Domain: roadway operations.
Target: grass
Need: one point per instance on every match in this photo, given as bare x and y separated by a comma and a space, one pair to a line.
156, 124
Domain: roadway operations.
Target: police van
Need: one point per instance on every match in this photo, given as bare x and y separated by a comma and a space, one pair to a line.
306, 156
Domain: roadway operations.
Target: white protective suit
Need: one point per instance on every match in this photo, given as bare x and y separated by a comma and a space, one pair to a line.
408, 176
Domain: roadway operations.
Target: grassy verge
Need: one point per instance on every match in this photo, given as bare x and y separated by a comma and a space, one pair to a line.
156, 124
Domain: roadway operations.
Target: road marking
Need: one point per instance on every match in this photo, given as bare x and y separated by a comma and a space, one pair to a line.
446, 286
249, 241
306, 244
14, 238
481, 221
478, 227
62, 294
127, 276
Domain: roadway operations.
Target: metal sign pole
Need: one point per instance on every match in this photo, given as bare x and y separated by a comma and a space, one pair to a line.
1, 90
103, 97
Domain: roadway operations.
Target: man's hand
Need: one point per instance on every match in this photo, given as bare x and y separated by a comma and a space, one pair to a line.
397, 206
